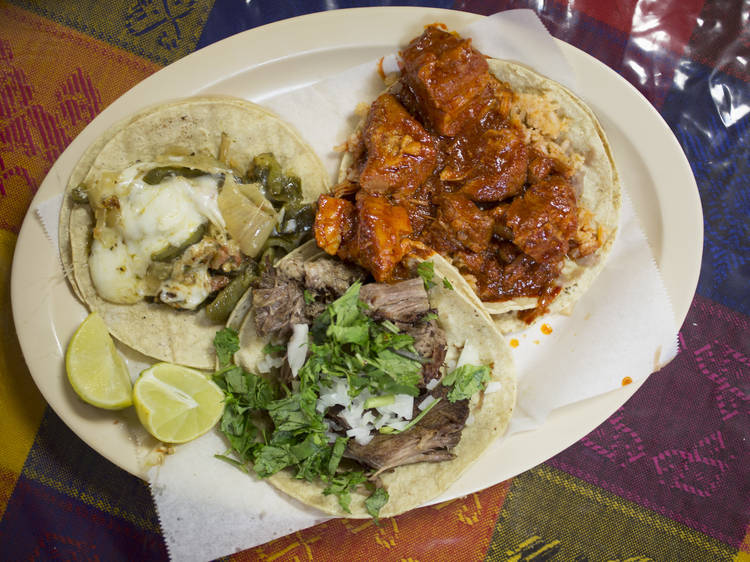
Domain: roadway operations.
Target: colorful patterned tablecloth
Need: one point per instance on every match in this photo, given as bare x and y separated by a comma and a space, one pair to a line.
666, 477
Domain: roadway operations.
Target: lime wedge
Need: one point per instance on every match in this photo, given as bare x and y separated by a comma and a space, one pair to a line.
176, 404
95, 370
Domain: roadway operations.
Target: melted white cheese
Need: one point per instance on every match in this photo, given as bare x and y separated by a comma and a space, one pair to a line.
152, 217
112, 272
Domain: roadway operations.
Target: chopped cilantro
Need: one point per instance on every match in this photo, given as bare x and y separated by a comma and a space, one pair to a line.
226, 342
376, 501
270, 459
426, 271
343, 484
343, 343
348, 343
271, 349
466, 380
447, 284
338, 451
309, 297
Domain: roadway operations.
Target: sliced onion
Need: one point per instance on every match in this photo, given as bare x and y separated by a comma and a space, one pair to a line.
296, 350
469, 355
249, 217
361, 435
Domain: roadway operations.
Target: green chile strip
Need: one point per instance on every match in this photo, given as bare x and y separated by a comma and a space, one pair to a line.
221, 307
171, 252
156, 175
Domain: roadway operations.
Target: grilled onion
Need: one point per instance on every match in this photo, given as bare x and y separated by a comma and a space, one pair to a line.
248, 215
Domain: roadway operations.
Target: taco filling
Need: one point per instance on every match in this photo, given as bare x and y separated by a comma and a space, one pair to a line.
356, 380
168, 215
188, 231
453, 160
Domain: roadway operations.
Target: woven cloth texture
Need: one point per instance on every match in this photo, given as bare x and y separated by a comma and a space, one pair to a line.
645, 485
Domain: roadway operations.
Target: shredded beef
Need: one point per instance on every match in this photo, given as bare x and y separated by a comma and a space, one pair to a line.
331, 275
278, 304
432, 439
405, 301
430, 343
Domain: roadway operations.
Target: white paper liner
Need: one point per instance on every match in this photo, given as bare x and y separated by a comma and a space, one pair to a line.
209, 508
604, 340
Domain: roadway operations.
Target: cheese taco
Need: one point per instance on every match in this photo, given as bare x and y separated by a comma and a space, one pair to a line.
504, 172
361, 398
166, 216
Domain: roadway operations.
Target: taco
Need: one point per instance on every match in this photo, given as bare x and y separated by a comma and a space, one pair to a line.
167, 215
503, 171
360, 398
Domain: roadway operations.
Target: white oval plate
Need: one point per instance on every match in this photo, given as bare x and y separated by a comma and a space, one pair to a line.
261, 62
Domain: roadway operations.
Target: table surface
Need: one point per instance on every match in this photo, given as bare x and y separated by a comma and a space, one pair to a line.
666, 477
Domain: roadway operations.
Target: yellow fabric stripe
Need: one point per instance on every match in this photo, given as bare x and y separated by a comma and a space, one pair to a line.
744, 553
160, 31
22, 405
588, 522
631, 510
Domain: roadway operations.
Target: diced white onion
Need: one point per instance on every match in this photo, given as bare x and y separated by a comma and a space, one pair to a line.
429, 399
493, 386
469, 355
364, 423
361, 435
269, 362
331, 428
470, 419
367, 419
336, 396
353, 413
432, 384
402, 406
296, 350
385, 419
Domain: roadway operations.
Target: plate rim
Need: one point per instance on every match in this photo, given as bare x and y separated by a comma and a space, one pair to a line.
122, 107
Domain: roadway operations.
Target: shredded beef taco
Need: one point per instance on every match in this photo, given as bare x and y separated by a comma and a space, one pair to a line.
167, 215
360, 398
502, 171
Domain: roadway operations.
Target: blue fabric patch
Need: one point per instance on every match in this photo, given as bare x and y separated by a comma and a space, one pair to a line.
709, 113
40, 523
233, 16
60, 461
